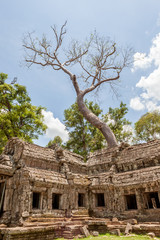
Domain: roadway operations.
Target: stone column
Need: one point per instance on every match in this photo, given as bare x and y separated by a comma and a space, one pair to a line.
140, 199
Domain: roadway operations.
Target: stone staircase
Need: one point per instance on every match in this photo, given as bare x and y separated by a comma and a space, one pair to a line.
80, 215
68, 228
68, 232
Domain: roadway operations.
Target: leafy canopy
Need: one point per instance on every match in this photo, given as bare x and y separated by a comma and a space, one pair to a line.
147, 128
83, 137
18, 117
115, 118
57, 141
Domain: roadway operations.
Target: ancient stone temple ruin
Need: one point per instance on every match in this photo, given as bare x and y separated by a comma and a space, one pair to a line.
39, 184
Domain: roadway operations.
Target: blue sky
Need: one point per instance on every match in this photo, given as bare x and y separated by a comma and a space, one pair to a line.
129, 22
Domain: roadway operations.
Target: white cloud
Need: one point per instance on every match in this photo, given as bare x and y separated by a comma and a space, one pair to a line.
128, 128
145, 96
141, 61
55, 127
154, 54
150, 85
136, 104
110, 120
3, 110
151, 106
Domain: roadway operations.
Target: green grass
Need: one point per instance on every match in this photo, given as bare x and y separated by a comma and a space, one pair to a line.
113, 237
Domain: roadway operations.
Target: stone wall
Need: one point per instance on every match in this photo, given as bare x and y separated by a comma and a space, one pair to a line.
38, 233
125, 158
132, 178
120, 182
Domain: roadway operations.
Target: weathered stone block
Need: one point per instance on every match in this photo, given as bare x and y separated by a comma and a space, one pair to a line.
151, 234
116, 232
128, 229
85, 231
95, 233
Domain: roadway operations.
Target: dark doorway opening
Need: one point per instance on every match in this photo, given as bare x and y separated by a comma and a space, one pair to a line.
100, 200
81, 199
2, 193
36, 200
152, 200
131, 202
56, 201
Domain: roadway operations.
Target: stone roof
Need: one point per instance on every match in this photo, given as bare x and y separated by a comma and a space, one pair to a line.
145, 154
19, 149
125, 158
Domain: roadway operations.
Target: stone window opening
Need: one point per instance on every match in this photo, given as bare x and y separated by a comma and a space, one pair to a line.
151, 200
100, 200
56, 201
131, 202
81, 200
36, 200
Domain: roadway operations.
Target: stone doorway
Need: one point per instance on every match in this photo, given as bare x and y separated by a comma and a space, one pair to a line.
100, 200
81, 200
56, 201
151, 200
36, 200
131, 202
2, 194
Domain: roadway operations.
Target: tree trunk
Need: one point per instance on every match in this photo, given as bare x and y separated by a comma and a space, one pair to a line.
95, 121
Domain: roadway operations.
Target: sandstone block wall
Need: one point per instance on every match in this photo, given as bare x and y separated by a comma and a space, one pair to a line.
123, 182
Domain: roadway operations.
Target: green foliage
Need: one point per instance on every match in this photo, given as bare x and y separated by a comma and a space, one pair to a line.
108, 236
117, 122
83, 137
18, 117
147, 128
57, 140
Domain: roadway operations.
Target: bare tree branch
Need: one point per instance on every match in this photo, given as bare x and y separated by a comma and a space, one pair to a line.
59, 38
99, 59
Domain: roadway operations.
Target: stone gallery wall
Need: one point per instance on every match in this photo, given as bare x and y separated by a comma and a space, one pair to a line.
131, 183
38, 182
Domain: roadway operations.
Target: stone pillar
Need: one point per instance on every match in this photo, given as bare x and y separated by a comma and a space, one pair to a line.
159, 195
86, 203
121, 200
140, 199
